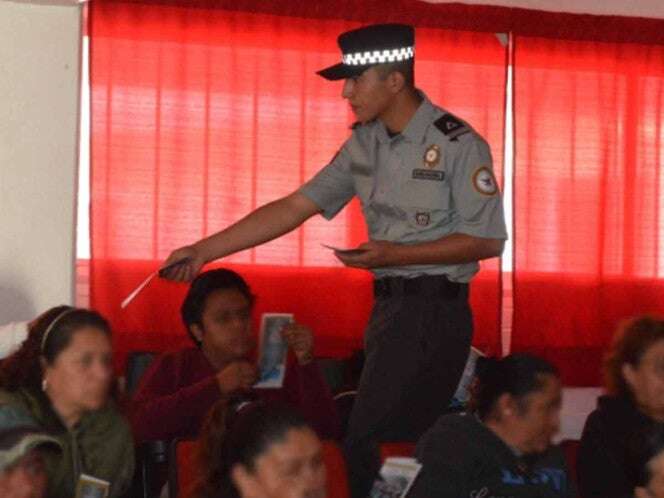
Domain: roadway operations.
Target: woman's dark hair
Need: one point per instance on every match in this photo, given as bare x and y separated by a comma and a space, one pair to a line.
200, 289
238, 433
631, 341
642, 447
517, 374
23, 368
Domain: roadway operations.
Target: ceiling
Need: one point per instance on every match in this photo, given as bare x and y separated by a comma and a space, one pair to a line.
638, 8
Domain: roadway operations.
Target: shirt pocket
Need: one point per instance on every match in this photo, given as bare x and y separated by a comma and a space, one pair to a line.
427, 206
426, 193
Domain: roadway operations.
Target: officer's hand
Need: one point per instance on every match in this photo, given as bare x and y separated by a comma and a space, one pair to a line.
190, 264
238, 375
300, 340
372, 254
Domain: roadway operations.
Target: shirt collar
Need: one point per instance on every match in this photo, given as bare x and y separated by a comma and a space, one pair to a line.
417, 126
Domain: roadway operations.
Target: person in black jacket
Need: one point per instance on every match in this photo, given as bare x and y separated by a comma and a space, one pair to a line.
634, 374
646, 453
505, 449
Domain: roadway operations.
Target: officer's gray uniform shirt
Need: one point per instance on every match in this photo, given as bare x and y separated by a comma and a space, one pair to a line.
433, 179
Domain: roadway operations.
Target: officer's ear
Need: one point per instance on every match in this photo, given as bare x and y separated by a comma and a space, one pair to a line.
396, 81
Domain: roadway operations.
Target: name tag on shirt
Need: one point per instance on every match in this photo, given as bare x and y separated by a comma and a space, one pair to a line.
429, 174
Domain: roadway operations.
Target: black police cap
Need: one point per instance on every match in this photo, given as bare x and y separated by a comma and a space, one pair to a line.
370, 45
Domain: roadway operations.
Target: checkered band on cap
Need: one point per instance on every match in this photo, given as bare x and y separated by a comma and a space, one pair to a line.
378, 56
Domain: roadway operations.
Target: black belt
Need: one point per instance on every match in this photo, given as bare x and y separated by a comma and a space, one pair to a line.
427, 285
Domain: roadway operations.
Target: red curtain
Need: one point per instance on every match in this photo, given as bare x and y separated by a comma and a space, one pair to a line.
200, 115
589, 187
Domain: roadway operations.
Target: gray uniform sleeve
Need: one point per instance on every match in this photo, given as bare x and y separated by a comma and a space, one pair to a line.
475, 192
332, 187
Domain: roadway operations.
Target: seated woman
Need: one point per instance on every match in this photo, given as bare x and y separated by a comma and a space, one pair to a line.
60, 381
505, 449
634, 374
259, 449
179, 388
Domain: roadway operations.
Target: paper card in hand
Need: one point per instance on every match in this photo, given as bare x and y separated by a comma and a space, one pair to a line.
273, 350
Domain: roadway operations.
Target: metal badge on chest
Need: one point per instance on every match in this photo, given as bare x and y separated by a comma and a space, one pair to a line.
431, 159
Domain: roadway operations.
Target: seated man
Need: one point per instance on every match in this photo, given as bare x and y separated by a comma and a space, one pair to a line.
179, 388
506, 449
22, 469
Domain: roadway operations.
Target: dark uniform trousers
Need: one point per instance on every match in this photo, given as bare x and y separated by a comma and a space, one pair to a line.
416, 346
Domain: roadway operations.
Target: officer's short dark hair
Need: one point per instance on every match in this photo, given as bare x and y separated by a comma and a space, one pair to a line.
205, 284
406, 68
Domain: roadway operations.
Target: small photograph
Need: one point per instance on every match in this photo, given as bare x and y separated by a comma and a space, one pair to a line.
91, 487
396, 477
273, 350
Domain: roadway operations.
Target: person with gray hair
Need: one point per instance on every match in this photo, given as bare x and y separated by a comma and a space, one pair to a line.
22, 469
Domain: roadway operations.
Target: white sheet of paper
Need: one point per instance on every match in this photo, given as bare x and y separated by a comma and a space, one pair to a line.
132, 295
396, 478
91, 487
273, 350
137, 290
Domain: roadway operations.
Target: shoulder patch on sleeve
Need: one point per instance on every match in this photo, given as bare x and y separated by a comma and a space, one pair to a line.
484, 181
451, 127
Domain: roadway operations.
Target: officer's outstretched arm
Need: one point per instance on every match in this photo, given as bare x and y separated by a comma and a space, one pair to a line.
262, 225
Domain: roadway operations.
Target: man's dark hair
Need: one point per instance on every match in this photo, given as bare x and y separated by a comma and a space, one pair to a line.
205, 284
406, 68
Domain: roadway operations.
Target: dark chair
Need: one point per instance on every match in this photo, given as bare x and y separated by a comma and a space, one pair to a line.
570, 448
344, 402
151, 457
137, 363
332, 370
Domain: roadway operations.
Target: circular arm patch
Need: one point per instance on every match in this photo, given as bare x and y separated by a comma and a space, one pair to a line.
484, 182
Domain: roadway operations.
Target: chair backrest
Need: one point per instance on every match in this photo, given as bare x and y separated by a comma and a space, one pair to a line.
137, 363
570, 448
344, 402
337, 476
332, 370
183, 468
400, 449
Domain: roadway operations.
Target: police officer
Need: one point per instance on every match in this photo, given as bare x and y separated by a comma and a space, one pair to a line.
426, 185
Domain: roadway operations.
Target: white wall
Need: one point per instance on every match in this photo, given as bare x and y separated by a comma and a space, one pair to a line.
635, 8
39, 93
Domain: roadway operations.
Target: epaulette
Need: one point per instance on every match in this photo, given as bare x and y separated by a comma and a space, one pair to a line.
451, 127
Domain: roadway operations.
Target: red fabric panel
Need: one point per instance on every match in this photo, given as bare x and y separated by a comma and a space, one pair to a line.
201, 115
186, 467
337, 473
487, 18
334, 302
588, 184
401, 449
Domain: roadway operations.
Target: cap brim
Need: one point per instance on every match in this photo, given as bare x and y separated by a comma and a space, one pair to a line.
342, 71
